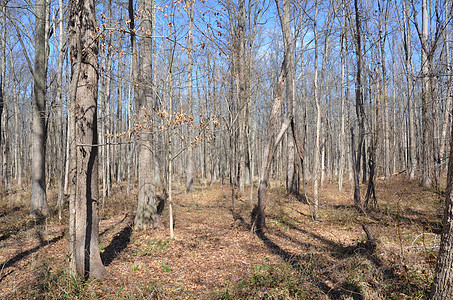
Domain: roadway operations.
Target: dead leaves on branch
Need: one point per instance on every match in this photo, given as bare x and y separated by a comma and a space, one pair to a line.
161, 121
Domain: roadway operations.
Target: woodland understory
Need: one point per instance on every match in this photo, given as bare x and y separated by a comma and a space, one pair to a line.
226, 149
214, 256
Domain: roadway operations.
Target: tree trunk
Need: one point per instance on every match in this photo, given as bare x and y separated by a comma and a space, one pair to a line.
2, 80
60, 121
291, 183
343, 98
190, 13
316, 159
360, 111
258, 214
426, 117
39, 205
357, 201
412, 165
84, 62
442, 287
147, 216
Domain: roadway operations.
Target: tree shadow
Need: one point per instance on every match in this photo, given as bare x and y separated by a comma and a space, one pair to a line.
117, 245
114, 225
22, 255
21, 226
299, 265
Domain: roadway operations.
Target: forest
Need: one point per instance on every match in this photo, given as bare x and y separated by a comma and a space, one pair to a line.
229, 149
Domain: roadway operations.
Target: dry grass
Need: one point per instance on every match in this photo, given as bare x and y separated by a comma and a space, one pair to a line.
214, 256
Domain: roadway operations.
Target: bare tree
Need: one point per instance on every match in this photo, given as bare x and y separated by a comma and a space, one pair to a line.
190, 9
343, 95
316, 160
360, 111
271, 143
407, 44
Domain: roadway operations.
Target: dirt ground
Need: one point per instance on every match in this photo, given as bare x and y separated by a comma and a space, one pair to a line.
215, 256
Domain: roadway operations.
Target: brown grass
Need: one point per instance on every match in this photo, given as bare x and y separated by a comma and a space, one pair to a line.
215, 256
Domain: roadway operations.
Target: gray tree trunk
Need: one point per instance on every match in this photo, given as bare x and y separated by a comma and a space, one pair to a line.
2, 81
190, 14
426, 117
360, 112
343, 98
60, 121
147, 216
316, 159
291, 182
442, 287
84, 61
412, 160
39, 205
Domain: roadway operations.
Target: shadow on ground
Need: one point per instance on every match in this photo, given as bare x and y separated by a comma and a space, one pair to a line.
118, 243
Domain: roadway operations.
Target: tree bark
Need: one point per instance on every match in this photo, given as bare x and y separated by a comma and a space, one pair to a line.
412, 161
2, 81
316, 160
39, 205
190, 4
85, 52
147, 216
343, 98
360, 111
291, 183
442, 287
357, 200
426, 118
258, 214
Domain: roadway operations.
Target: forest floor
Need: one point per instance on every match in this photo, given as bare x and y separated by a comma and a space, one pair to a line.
214, 256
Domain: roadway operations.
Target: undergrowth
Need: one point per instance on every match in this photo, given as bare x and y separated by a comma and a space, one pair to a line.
269, 281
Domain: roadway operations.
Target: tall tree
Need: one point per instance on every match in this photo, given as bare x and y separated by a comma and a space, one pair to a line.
343, 95
360, 111
442, 287
426, 118
84, 49
272, 141
147, 216
39, 205
291, 182
2, 80
190, 9
407, 44
316, 160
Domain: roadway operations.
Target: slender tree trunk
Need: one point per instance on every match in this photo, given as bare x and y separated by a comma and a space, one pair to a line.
60, 120
291, 183
410, 98
316, 159
343, 98
448, 104
360, 111
2, 81
84, 62
382, 38
357, 201
2, 74
426, 117
39, 205
271, 143
190, 13
135, 84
